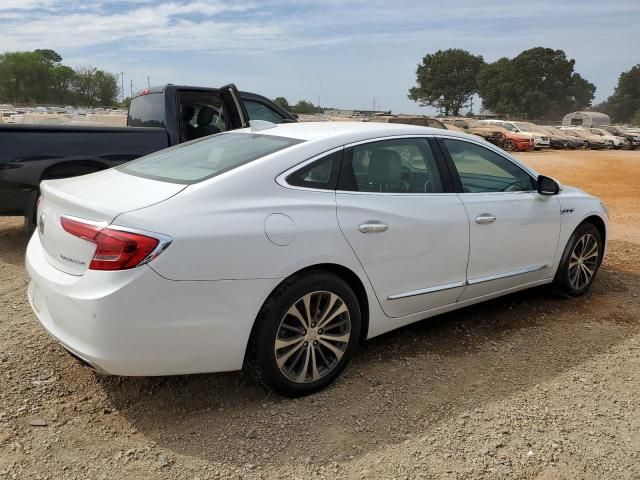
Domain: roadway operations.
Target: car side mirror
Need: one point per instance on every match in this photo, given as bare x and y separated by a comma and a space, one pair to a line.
547, 186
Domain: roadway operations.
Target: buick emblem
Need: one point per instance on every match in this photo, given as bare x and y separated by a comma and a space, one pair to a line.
41, 224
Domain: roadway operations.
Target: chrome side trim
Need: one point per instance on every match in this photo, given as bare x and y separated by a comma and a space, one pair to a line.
498, 276
422, 291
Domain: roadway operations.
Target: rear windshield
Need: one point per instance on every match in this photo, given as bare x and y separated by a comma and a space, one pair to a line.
198, 160
147, 111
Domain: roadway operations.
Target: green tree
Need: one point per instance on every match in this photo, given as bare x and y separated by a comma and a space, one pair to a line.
85, 85
61, 79
624, 104
539, 82
50, 57
107, 88
282, 102
23, 77
446, 80
305, 107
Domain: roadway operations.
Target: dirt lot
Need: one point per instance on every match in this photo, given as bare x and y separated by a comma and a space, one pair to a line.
527, 386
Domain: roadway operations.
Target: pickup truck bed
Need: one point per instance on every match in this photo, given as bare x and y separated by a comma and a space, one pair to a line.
158, 118
31, 153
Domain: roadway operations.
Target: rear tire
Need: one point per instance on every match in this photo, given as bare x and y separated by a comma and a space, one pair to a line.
30, 214
580, 261
305, 334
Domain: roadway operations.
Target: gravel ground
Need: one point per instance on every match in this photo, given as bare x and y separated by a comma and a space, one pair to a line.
526, 386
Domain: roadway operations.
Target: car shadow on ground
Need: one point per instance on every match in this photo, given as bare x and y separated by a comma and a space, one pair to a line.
401, 384
13, 241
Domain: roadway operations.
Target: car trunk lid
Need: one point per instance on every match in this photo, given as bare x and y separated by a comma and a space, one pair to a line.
96, 199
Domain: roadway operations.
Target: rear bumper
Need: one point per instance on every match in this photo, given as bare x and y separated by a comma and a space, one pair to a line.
134, 322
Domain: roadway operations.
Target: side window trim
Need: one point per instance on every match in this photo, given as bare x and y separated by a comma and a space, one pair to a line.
281, 179
454, 172
448, 182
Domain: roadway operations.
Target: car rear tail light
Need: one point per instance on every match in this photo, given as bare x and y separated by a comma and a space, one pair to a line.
116, 249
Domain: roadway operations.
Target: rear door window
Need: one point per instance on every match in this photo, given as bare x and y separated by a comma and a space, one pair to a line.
404, 165
199, 160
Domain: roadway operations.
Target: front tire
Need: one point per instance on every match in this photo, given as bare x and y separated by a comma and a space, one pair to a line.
509, 145
580, 261
305, 335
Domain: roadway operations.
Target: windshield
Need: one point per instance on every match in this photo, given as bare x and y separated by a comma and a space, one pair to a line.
204, 158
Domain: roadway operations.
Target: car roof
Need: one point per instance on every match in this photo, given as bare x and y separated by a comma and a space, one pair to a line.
348, 131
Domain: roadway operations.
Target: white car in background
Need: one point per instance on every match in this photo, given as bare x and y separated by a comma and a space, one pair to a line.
540, 139
614, 140
277, 249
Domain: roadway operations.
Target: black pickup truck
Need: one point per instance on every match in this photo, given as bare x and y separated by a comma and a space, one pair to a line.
158, 118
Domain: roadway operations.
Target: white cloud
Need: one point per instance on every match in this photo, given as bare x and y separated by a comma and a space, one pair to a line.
358, 49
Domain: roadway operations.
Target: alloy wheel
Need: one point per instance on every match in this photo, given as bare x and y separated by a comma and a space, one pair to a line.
312, 337
584, 261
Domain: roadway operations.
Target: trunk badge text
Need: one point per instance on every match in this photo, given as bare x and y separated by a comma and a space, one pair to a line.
72, 260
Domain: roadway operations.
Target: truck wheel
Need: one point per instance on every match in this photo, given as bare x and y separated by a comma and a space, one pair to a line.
30, 214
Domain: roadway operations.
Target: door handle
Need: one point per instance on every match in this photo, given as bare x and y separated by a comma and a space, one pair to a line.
485, 219
372, 227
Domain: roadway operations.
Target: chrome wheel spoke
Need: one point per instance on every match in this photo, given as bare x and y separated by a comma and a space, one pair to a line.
336, 351
313, 336
315, 375
283, 359
294, 312
333, 298
280, 343
339, 311
305, 367
307, 307
336, 338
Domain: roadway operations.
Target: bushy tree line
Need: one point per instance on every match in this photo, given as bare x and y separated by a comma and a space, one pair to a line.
624, 105
303, 106
39, 77
539, 82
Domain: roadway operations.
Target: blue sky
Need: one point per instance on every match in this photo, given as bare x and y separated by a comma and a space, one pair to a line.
344, 53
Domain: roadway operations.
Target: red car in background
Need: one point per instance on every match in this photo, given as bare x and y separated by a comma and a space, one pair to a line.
500, 136
516, 141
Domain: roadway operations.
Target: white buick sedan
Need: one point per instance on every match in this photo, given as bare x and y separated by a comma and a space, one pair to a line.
277, 249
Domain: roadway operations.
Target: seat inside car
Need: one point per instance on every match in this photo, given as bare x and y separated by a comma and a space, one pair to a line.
188, 130
385, 172
205, 117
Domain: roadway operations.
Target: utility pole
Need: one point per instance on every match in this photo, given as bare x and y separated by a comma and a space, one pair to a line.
148, 82
131, 88
122, 86
374, 104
